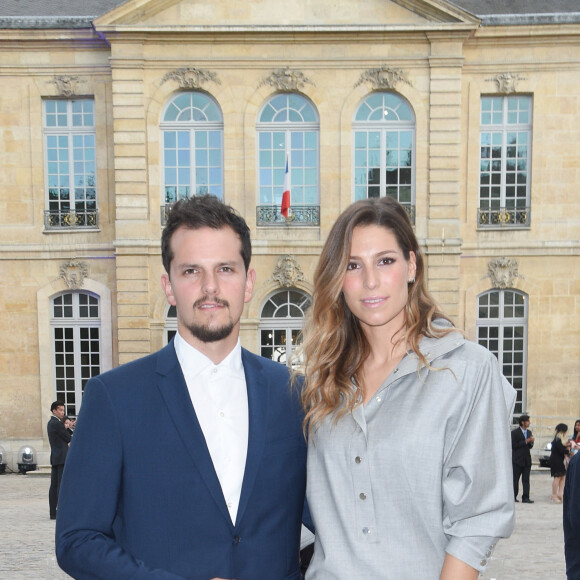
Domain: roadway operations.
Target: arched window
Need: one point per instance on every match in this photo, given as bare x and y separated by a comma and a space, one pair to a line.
192, 137
288, 136
170, 323
76, 339
281, 323
502, 327
384, 149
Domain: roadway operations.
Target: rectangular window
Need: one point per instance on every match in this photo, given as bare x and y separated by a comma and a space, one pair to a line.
76, 335
301, 149
70, 164
505, 157
383, 165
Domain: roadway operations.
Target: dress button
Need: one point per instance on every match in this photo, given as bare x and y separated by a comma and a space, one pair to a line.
357, 459
363, 495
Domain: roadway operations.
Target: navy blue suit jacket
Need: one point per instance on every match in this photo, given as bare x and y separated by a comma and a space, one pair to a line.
140, 497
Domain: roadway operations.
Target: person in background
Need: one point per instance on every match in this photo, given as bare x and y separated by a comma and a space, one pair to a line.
572, 519
59, 439
522, 442
68, 426
379, 357
574, 441
560, 450
189, 463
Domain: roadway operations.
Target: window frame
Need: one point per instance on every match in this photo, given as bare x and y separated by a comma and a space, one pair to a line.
502, 323
194, 128
75, 325
303, 160
384, 128
510, 213
58, 214
286, 324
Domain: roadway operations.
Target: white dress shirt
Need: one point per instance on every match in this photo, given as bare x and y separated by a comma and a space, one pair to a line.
220, 399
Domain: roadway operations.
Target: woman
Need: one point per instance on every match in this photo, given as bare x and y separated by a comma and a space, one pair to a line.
382, 362
576, 434
574, 441
560, 450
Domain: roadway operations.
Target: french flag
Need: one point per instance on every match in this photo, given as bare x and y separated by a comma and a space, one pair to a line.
286, 195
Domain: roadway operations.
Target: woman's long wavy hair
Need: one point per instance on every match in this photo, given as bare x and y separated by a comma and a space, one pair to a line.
334, 347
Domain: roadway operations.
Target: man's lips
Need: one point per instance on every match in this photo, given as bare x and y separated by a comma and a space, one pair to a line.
208, 304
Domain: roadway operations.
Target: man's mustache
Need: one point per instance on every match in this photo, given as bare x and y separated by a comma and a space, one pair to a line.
198, 303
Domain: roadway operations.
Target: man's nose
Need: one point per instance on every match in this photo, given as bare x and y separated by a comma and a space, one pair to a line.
209, 283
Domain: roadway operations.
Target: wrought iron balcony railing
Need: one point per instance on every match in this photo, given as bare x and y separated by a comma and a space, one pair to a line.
71, 220
504, 217
298, 215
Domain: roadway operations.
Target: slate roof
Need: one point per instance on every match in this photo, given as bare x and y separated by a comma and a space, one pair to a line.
80, 13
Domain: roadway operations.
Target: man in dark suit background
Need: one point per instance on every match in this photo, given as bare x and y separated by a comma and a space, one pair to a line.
191, 462
522, 442
59, 439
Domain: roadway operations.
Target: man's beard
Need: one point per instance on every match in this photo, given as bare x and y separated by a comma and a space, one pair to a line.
205, 333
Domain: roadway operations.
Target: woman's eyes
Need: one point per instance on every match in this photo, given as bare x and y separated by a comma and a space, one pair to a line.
381, 262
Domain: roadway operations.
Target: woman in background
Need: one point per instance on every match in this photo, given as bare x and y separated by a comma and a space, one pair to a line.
560, 450
382, 361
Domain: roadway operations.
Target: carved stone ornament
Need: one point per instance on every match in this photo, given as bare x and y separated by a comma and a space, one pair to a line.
191, 77
503, 272
383, 78
74, 273
285, 79
66, 85
287, 272
506, 82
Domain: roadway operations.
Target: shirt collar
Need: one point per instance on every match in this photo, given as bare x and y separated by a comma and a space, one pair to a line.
193, 362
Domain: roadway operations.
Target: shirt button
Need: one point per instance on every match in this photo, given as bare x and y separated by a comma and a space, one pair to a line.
378, 399
363, 495
396, 371
483, 562
222, 413
366, 531
357, 459
214, 370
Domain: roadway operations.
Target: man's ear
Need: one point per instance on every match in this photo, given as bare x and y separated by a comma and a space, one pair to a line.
166, 285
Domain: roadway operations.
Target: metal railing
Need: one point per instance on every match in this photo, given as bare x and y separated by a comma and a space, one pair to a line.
298, 215
71, 219
504, 217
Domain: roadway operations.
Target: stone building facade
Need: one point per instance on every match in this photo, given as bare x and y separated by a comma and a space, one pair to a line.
470, 118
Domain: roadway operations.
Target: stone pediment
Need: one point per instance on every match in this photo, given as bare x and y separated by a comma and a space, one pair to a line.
225, 15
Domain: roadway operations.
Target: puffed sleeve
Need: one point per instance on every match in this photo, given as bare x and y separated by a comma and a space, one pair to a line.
478, 501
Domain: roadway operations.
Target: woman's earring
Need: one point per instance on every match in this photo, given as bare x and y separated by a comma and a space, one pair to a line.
412, 280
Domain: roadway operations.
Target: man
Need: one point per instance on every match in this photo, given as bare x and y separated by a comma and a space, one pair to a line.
522, 442
59, 439
190, 463
572, 518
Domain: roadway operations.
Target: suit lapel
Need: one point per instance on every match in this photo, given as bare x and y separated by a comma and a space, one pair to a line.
173, 389
258, 402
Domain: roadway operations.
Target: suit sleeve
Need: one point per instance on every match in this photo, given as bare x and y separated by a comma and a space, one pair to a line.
518, 441
85, 541
61, 432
